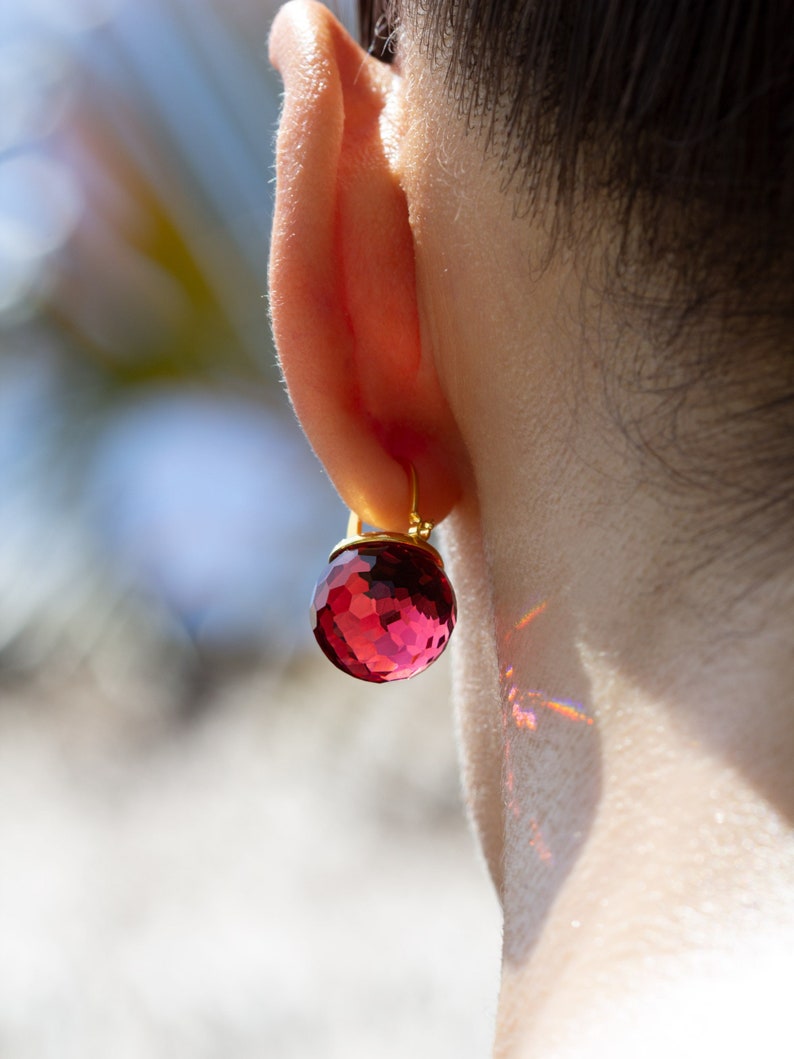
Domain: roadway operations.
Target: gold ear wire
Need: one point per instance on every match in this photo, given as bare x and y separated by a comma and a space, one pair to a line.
354, 526
418, 527
418, 534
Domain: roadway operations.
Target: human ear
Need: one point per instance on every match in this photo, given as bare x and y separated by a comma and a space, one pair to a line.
342, 278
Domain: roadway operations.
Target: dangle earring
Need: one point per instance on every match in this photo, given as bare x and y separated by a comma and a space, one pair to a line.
384, 609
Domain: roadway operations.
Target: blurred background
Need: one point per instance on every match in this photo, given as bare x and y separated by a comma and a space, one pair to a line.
211, 842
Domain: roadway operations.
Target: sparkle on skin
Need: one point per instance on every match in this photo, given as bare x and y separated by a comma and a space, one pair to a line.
523, 708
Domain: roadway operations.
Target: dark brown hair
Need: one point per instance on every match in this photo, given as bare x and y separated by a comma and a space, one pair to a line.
680, 113
673, 120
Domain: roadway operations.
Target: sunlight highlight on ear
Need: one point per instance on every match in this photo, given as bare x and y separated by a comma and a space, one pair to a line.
342, 278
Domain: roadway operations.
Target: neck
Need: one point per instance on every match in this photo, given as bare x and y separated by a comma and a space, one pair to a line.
627, 730
645, 734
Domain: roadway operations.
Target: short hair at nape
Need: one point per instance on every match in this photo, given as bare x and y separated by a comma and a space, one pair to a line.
676, 114
668, 126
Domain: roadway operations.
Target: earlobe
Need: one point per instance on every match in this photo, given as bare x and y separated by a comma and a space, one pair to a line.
342, 282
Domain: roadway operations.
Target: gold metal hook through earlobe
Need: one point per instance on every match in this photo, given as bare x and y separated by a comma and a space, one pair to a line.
419, 529
354, 525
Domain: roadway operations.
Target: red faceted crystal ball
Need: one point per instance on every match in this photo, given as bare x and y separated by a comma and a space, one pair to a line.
383, 610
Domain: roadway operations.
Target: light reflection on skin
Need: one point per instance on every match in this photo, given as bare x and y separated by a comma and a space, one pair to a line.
523, 715
572, 711
523, 708
538, 843
530, 616
525, 705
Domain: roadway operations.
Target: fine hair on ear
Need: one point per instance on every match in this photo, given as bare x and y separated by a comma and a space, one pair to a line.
342, 280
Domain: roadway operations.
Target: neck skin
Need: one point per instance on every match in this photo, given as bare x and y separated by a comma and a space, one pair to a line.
627, 727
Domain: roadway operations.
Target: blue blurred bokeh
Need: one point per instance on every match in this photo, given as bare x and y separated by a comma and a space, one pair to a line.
149, 467
212, 844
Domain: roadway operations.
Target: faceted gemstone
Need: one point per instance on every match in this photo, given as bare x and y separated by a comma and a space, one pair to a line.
383, 610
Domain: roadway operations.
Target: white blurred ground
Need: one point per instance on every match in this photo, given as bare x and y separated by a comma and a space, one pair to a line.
287, 875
